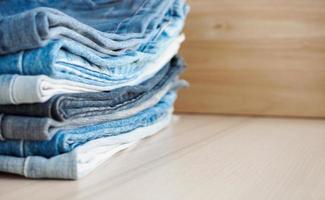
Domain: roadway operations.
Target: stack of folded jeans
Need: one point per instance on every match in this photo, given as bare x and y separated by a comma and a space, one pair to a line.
81, 80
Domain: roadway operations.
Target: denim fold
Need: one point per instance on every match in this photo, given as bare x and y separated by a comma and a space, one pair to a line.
68, 139
43, 128
81, 80
82, 160
41, 88
72, 106
106, 26
77, 63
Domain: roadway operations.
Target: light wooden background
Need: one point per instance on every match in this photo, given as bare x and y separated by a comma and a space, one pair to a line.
257, 57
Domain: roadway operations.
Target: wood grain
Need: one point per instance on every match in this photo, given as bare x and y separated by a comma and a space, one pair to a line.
256, 57
202, 157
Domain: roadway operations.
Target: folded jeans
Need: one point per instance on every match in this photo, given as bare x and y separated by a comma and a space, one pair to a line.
43, 128
82, 160
68, 60
107, 26
41, 88
71, 106
68, 139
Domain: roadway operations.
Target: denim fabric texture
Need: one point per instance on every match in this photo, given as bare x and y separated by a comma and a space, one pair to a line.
79, 105
80, 64
81, 80
42, 128
66, 140
104, 25
41, 88
75, 110
82, 160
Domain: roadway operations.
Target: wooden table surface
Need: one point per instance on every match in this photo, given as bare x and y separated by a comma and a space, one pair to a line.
202, 157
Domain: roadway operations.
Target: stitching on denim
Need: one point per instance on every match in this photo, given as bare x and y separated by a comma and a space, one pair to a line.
82, 75
160, 84
130, 17
162, 30
143, 121
168, 75
156, 87
11, 89
157, 36
143, 106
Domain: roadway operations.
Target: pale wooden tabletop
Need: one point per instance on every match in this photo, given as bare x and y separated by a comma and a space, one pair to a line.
202, 157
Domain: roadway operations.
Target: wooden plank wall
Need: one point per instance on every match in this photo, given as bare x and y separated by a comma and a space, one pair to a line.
255, 57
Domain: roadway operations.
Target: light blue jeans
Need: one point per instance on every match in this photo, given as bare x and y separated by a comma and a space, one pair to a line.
107, 26
41, 121
69, 60
41, 88
82, 160
68, 139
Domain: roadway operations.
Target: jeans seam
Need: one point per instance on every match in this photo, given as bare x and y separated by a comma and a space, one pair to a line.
11, 89
160, 85
25, 166
130, 17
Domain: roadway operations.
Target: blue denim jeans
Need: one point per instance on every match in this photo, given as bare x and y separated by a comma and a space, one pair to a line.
72, 106
65, 59
35, 121
68, 139
108, 26
41, 88
80, 161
